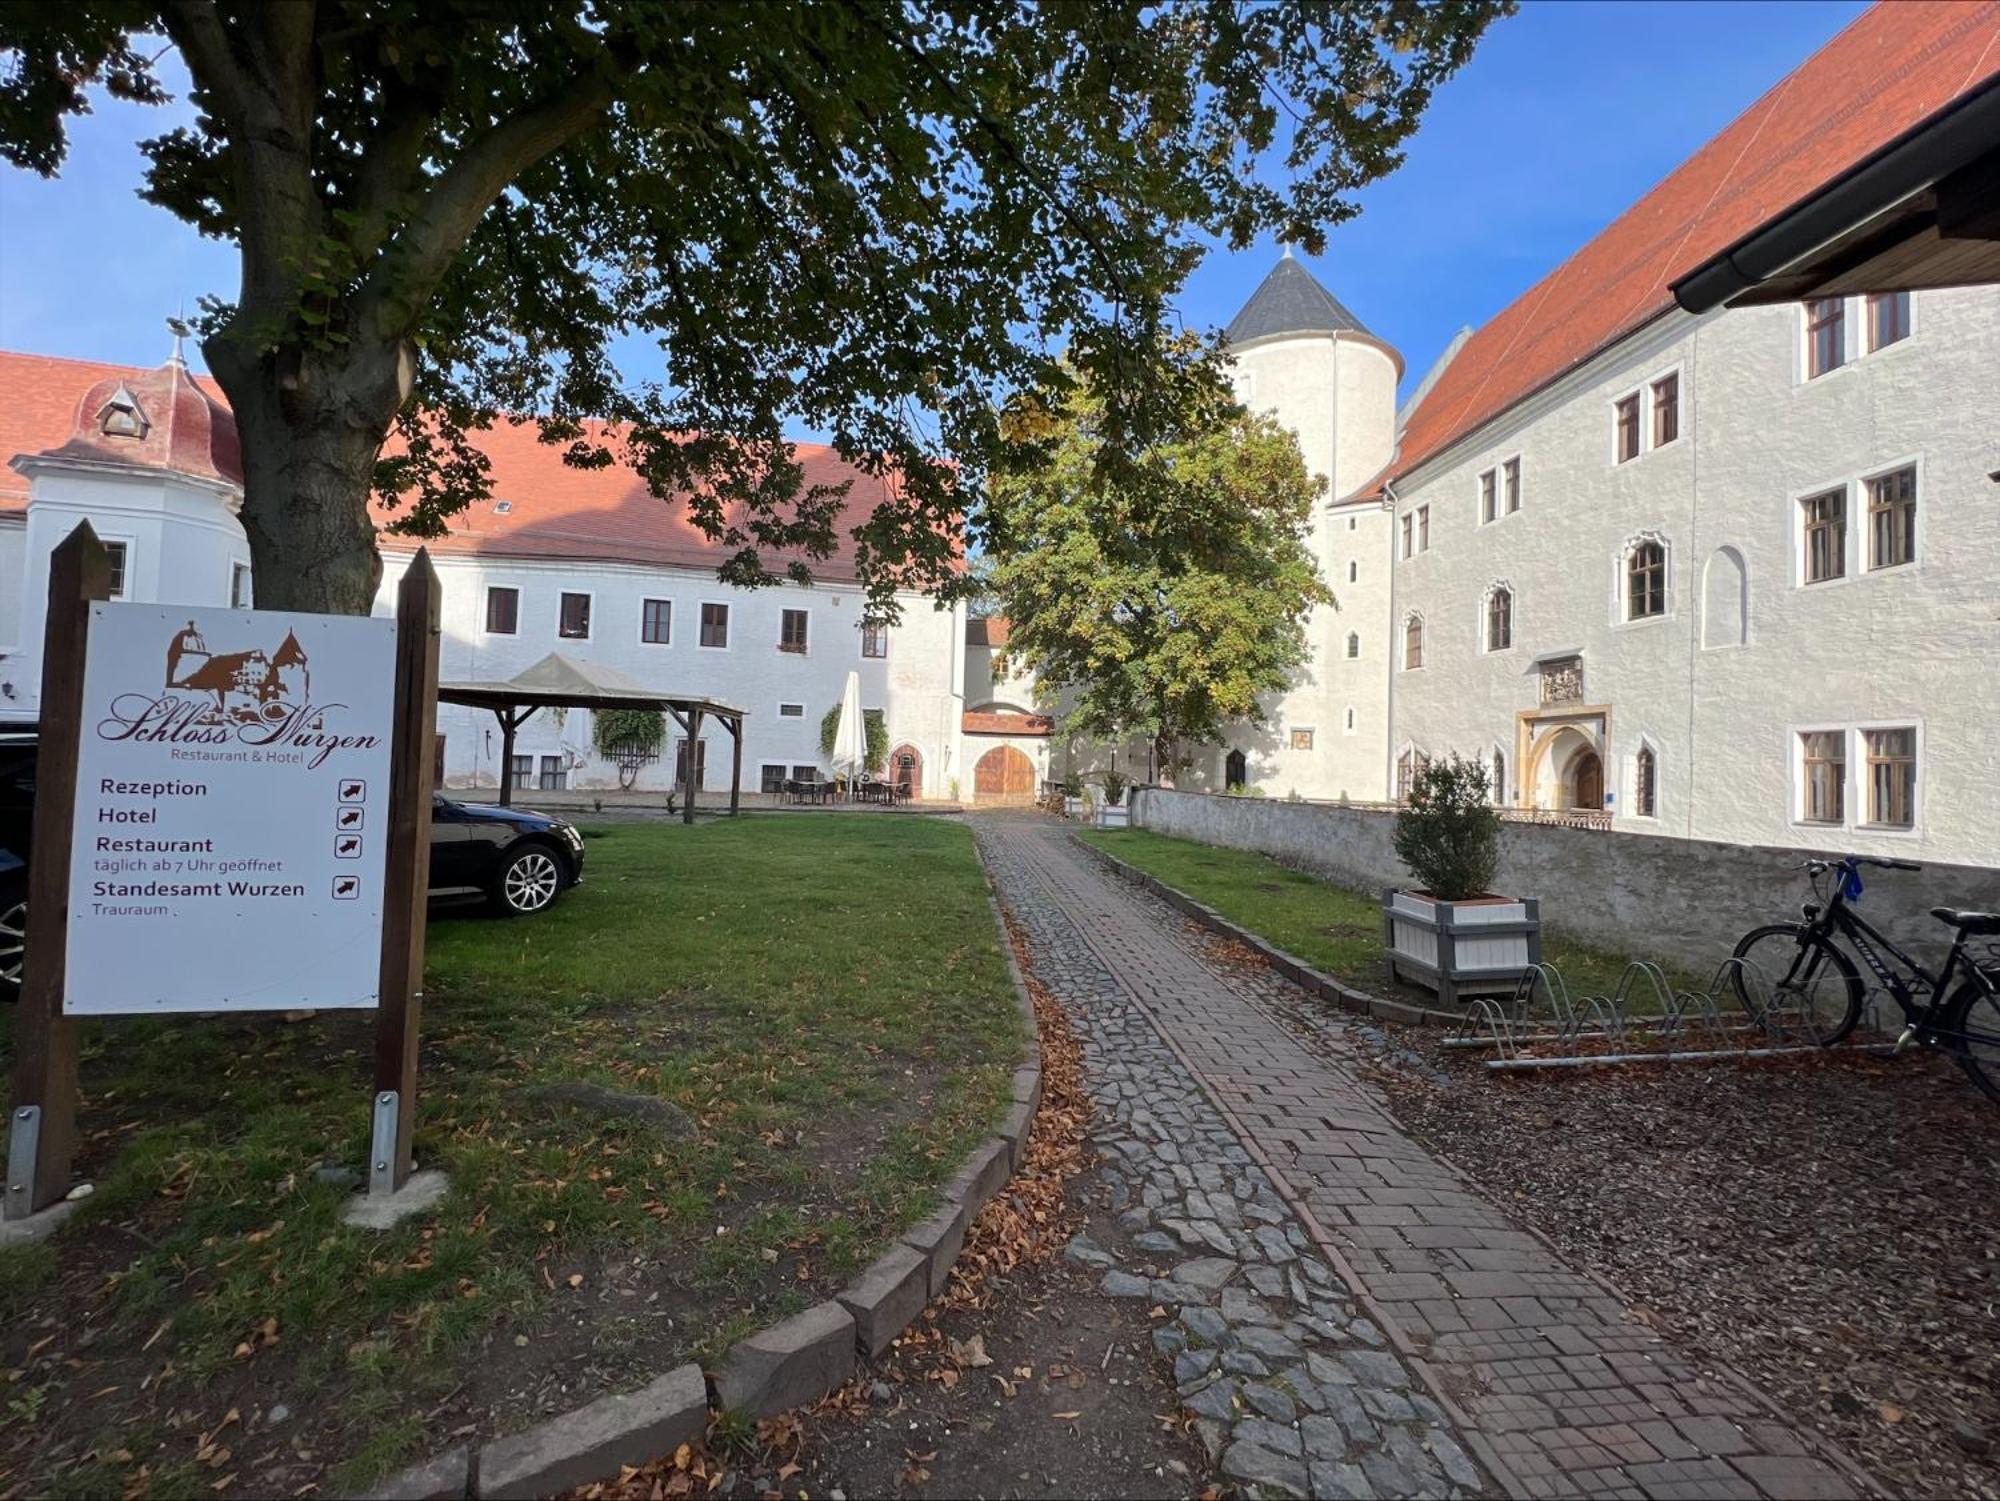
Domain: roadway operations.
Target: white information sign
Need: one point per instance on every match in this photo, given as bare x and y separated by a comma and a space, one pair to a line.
232, 794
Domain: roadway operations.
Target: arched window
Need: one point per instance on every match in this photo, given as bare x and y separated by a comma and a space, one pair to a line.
1353, 571
1408, 766
1645, 784
1353, 645
1235, 770
1725, 599
1646, 581
1413, 642
1499, 618
1496, 790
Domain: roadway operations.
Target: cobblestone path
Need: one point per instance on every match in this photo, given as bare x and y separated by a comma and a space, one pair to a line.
1351, 1317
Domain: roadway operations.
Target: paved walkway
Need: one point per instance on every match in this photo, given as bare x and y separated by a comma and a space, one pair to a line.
1534, 1365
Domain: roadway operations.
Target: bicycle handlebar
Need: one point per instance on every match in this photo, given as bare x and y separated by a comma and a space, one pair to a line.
1816, 866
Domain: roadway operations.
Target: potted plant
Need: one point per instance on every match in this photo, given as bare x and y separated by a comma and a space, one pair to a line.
1113, 813
1453, 934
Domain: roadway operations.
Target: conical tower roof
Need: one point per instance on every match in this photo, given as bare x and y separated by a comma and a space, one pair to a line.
1291, 301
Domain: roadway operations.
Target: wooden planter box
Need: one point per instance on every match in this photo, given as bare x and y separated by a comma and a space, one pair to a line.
1114, 816
1074, 807
1476, 947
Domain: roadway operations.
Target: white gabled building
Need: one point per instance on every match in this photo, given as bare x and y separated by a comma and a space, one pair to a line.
1729, 577
583, 562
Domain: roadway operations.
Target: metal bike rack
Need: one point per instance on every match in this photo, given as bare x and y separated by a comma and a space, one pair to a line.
1643, 1020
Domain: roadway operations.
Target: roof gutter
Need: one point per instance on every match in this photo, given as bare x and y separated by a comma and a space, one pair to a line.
1930, 150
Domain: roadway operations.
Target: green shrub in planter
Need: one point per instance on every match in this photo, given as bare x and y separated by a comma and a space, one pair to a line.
1447, 832
1115, 783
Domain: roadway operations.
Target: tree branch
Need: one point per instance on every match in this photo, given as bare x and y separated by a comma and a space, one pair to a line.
408, 272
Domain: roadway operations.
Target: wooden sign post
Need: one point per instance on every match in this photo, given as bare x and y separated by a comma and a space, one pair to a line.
278, 770
407, 880
42, 1125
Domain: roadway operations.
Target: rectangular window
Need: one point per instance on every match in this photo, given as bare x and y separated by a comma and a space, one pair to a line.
524, 770
874, 641
1892, 519
554, 776
115, 553
1423, 528
715, 625
1626, 420
239, 586
1489, 496
656, 621
771, 778
1302, 739
1888, 319
792, 631
503, 611
791, 711
1826, 535
1666, 409
1823, 776
1892, 777
1409, 525
805, 774
573, 624
1826, 335
1512, 471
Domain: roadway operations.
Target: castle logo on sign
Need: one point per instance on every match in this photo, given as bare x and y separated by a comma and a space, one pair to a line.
248, 697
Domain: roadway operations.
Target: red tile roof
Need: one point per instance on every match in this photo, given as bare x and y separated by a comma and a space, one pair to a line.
552, 510
43, 398
986, 630
1893, 67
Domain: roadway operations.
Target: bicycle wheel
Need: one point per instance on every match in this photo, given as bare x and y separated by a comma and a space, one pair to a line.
1811, 987
1973, 1019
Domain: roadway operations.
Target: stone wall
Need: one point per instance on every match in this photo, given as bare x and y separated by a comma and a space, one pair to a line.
1681, 900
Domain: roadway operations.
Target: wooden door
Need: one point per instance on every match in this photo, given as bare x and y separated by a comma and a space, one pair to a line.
906, 770
1588, 782
1003, 774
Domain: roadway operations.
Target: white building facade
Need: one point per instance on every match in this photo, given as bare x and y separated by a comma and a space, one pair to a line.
1740, 583
584, 563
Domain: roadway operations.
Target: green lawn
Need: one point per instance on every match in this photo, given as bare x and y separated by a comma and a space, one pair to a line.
824, 1002
1332, 928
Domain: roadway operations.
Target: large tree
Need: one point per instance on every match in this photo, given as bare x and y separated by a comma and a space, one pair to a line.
1158, 591
868, 217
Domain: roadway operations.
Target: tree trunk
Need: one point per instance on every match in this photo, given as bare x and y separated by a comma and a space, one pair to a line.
312, 424
1163, 758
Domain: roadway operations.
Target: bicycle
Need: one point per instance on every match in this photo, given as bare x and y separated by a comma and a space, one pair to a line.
1817, 985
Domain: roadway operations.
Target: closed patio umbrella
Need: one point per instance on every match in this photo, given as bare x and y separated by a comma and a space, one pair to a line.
850, 736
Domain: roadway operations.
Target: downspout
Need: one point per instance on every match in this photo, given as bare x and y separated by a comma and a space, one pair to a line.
1389, 650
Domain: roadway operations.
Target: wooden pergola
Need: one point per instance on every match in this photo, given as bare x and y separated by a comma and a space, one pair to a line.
557, 682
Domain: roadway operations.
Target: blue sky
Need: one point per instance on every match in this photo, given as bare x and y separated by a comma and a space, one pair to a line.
1567, 113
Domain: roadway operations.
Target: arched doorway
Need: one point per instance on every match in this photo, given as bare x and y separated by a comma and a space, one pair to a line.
906, 770
1586, 781
1235, 770
1003, 775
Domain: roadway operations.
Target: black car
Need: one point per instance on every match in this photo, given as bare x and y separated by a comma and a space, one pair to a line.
518, 861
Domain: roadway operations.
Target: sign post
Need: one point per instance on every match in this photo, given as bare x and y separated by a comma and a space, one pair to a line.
42, 1125
407, 880
232, 814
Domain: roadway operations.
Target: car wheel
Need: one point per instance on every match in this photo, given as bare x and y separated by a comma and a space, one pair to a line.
528, 881
13, 937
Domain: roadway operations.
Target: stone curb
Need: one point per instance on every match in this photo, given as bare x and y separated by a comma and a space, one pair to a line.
1293, 968
794, 1362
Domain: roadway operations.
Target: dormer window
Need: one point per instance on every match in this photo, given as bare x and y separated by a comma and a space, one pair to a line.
121, 417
